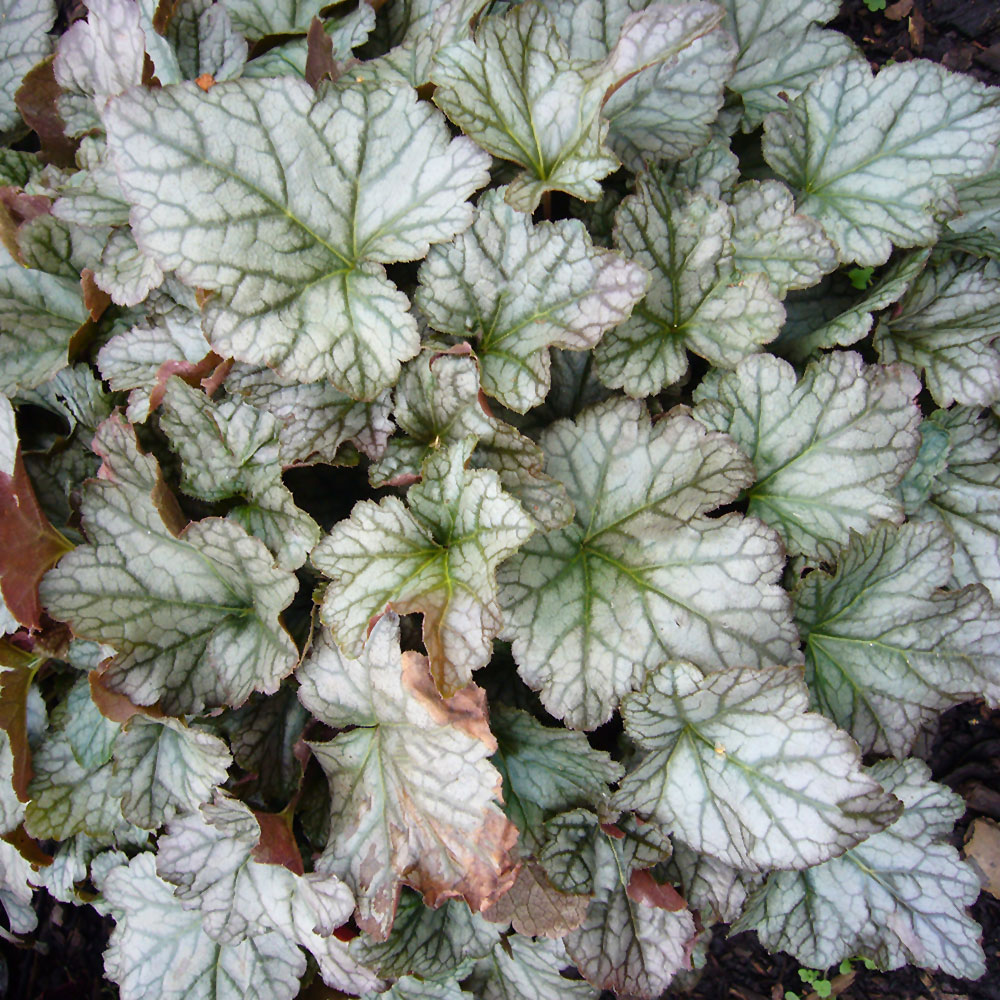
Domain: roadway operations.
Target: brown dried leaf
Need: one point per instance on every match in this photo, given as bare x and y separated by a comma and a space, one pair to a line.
536, 907
982, 847
18, 670
320, 63
36, 100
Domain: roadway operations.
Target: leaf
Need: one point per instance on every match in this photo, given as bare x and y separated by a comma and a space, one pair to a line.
737, 768
641, 573
549, 286
15, 890
152, 928
167, 768
663, 112
829, 449
516, 90
430, 944
91, 734
965, 496
323, 308
29, 545
409, 988
211, 857
546, 770
257, 18
23, 42
125, 272
696, 300
945, 325
527, 968
193, 613
886, 650
625, 945
18, 671
536, 908
97, 59
437, 403
872, 158
841, 318
770, 236
716, 890
231, 448
389, 822
978, 201
39, 314
782, 48
438, 556
316, 419
899, 898
199, 38
11, 807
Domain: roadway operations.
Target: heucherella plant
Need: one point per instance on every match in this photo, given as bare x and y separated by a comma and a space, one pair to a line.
490, 492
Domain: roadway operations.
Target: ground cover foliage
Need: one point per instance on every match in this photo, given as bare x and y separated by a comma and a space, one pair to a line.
646, 353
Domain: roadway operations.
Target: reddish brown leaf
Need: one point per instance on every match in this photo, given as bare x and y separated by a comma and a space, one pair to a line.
27, 847
95, 299
196, 374
320, 63
114, 706
29, 546
36, 100
19, 669
277, 844
643, 888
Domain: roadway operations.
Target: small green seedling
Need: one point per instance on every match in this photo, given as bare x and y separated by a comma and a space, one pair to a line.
875, 5
861, 277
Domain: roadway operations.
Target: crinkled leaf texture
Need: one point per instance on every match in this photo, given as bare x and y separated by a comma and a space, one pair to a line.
641, 573
898, 898
193, 611
736, 767
211, 857
527, 968
517, 289
886, 650
413, 797
160, 951
829, 449
293, 238
23, 41
437, 555
873, 158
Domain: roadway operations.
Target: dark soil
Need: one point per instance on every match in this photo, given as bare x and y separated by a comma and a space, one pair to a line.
63, 958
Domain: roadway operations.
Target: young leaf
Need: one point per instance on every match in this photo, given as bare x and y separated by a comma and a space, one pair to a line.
389, 821
966, 495
385, 181
517, 91
211, 857
697, 299
316, 419
16, 892
125, 272
641, 573
193, 612
437, 403
664, 111
548, 286
431, 944
23, 42
782, 48
437, 556
737, 768
166, 768
886, 651
872, 158
152, 928
898, 898
97, 59
231, 448
527, 968
946, 325
829, 449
